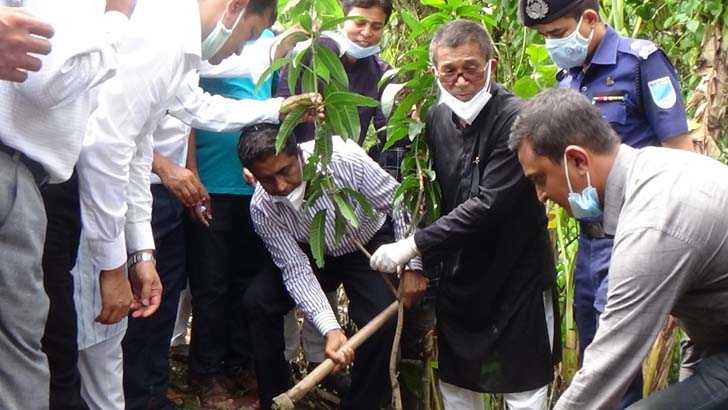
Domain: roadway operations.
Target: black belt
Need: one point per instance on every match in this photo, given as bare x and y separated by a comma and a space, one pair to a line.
35, 168
593, 230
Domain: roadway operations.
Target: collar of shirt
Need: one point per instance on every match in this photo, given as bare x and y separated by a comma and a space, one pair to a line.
606, 52
614, 191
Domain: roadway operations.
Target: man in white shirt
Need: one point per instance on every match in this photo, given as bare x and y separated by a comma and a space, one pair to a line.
114, 168
42, 122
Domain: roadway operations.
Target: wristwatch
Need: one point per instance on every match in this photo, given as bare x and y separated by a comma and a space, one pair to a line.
141, 256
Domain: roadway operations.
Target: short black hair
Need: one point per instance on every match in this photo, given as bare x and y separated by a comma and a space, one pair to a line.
258, 142
460, 32
259, 7
557, 118
385, 5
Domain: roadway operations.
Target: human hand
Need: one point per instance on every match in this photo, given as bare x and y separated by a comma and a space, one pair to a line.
183, 183
146, 287
388, 257
335, 351
123, 6
202, 212
116, 297
20, 36
311, 100
412, 286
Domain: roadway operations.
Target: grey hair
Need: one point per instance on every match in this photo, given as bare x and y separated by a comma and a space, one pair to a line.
459, 32
557, 118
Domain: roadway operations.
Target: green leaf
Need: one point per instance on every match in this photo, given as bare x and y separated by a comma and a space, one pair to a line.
292, 119
275, 66
537, 53
317, 237
308, 81
309, 170
404, 107
344, 119
361, 199
305, 22
411, 21
525, 87
415, 128
408, 183
323, 147
343, 205
432, 201
348, 98
395, 137
332, 63
334, 22
387, 76
294, 71
339, 227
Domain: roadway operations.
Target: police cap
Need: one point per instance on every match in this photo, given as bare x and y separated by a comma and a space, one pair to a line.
534, 12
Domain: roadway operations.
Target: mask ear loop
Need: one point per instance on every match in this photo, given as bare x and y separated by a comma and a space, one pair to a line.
566, 172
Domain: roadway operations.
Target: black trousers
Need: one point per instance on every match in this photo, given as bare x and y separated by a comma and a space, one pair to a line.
59, 256
267, 301
146, 343
223, 259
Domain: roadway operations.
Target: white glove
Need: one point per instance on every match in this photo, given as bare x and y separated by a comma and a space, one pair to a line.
388, 257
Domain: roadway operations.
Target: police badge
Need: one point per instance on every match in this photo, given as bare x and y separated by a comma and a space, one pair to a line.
537, 9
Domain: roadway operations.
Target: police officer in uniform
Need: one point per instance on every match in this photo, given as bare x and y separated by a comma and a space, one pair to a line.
637, 91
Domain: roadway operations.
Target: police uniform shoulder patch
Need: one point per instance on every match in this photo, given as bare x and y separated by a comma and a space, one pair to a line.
643, 48
662, 92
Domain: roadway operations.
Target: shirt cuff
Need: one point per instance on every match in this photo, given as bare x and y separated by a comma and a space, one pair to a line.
139, 236
416, 263
274, 116
326, 321
108, 255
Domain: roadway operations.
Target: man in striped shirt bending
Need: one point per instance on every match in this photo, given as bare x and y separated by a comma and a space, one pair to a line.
283, 222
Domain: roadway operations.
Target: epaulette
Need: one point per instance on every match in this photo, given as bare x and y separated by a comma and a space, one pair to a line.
638, 47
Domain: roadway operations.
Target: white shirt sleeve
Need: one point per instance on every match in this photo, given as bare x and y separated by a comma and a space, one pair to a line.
196, 108
83, 55
115, 162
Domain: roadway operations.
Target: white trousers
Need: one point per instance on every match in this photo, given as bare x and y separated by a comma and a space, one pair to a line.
458, 398
313, 342
102, 372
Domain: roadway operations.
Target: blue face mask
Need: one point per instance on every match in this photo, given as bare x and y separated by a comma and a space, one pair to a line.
570, 51
358, 51
217, 38
586, 204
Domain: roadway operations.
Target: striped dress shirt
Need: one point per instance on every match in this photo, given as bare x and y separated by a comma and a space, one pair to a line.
282, 228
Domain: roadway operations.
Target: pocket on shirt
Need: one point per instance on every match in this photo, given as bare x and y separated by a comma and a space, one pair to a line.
615, 112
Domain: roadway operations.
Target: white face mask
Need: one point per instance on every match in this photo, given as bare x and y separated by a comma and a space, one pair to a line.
467, 110
357, 51
217, 37
294, 199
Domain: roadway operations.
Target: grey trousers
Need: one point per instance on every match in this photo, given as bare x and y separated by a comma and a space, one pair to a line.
24, 376
706, 389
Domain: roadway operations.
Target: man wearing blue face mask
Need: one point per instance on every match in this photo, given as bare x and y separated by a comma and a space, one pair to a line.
665, 211
636, 89
495, 304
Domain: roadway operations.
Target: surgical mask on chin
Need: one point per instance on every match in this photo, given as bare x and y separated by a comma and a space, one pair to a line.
586, 204
295, 198
467, 110
570, 51
357, 51
217, 38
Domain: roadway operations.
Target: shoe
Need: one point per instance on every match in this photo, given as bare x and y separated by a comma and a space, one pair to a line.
338, 383
213, 392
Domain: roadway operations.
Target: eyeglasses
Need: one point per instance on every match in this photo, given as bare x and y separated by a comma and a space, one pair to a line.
470, 75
